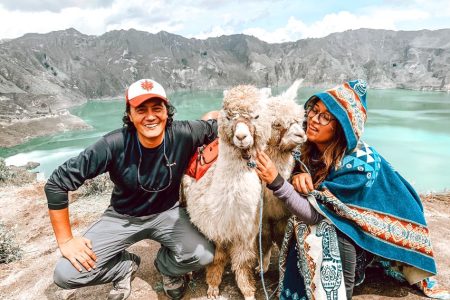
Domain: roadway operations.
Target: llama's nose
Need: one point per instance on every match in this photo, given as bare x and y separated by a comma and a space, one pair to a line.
302, 135
241, 136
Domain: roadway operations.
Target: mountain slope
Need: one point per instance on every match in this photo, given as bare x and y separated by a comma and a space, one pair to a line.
41, 74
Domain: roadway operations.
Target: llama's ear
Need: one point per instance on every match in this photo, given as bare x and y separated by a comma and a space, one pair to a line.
266, 92
225, 93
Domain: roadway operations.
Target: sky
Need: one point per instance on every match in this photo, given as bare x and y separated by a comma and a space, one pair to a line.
273, 21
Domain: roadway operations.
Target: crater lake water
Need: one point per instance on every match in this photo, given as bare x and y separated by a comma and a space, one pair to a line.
411, 129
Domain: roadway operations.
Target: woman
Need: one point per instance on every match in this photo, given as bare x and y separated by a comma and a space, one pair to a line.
358, 207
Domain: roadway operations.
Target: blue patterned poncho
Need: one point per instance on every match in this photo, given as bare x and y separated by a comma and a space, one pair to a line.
366, 199
379, 210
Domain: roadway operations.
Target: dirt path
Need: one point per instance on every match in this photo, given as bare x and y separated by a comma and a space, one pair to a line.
24, 209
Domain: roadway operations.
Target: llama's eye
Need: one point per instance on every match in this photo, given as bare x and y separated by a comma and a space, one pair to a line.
228, 118
256, 117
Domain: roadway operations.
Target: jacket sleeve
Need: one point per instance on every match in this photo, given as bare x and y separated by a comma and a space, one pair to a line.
297, 204
72, 174
203, 132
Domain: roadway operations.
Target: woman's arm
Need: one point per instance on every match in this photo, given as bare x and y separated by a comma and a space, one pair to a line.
283, 190
296, 203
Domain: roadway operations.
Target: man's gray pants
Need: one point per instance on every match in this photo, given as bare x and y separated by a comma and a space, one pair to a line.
183, 248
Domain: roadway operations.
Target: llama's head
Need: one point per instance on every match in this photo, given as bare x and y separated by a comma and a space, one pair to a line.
287, 120
244, 121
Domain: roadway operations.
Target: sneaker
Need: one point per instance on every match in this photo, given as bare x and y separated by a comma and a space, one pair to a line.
174, 287
122, 288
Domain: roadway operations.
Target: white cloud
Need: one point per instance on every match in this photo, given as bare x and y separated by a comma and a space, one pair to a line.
51, 5
188, 17
337, 22
16, 23
214, 32
192, 18
141, 15
437, 8
292, 31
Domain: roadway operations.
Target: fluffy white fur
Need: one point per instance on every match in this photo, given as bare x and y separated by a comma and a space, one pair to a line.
224, 203
287, 133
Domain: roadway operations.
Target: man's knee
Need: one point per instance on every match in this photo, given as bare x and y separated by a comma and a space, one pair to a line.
65, 275
205, 254
200, 256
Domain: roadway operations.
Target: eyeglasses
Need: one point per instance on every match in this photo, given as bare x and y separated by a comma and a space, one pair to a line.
168, 164
324, 117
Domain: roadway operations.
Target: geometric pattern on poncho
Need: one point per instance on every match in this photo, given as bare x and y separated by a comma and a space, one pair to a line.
364, 159
402, 233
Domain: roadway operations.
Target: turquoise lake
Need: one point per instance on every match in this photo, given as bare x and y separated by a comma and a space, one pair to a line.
411, 129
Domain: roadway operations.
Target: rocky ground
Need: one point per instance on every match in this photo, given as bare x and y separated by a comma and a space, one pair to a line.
23, 209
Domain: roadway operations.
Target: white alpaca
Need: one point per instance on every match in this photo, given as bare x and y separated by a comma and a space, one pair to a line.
224, 203
287, 133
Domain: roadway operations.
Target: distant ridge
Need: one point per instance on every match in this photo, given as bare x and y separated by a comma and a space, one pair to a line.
42, 73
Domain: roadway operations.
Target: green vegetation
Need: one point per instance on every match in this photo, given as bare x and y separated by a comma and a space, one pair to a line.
96, 186
5, 172
9, 249
10, 175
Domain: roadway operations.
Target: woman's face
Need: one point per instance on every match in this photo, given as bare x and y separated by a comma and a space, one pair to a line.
320, 125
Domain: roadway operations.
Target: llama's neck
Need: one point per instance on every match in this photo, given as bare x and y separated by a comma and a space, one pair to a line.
283, 160
229, 154
239, 185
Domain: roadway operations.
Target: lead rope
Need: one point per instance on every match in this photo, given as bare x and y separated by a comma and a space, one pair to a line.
296, 154
252, 164
261, 270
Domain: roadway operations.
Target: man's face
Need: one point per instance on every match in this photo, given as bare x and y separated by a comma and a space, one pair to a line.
150, 119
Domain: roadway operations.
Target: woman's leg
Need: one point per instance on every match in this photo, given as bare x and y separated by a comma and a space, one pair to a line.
347, 250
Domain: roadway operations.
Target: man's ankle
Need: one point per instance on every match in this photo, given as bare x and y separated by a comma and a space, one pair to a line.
122, 288
174, 286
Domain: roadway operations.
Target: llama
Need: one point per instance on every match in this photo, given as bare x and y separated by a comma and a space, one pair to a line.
287, 133
224, 203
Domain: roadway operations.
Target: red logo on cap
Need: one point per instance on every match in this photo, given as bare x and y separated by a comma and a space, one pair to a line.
147, 85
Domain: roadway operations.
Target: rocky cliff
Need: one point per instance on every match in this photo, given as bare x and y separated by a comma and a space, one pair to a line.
43, 73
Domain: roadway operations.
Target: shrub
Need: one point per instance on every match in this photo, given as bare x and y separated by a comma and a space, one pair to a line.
9, 249
5, 172
96, 186
14, 175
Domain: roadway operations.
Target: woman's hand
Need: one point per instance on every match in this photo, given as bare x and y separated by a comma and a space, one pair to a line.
265, 168
303, 183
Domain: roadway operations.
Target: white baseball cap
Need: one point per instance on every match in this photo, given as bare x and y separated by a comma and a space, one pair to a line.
144, 89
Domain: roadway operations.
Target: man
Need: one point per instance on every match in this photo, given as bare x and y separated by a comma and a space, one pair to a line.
146, 160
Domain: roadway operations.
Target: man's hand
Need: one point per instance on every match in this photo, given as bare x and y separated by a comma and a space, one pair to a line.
265, 168
78, 250
303, 183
